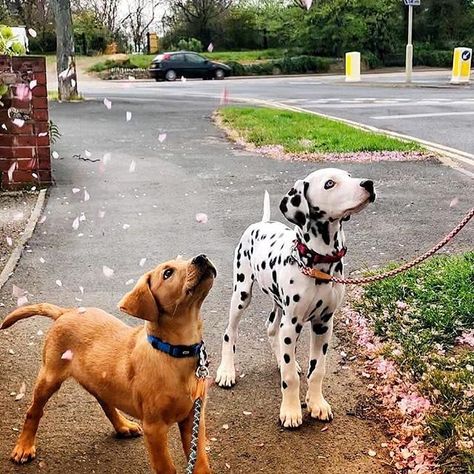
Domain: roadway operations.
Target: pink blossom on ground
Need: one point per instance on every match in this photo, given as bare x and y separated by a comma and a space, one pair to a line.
467, 337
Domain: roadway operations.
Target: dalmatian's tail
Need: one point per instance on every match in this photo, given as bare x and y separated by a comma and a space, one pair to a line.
266, 207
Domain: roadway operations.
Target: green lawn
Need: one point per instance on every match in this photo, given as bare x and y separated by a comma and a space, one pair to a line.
305, 133
423, 311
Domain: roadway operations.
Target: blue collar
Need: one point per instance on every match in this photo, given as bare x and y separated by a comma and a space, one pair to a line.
174, 351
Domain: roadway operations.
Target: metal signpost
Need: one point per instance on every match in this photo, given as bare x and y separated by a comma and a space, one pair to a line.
409, 50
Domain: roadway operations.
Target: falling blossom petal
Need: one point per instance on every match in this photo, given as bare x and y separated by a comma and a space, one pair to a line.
68, 355
42, 260
128, 116
106, 158
81, 289
201, 218
18, 122
81, 310
17, 292
21, 392
75, 190
108, 272
9, 241
101, 214
183, 79
142, 262
210, 48
42, 134
454, 202
87, 153
131, 169
22, 301
129, 282
11, 170
32, 32
225, 426
59, 283
372, 453
55, 155
107, 103
75, 223
162, 137
86, 195
40, 332
33, 83
126, 226
34, 175
247, 413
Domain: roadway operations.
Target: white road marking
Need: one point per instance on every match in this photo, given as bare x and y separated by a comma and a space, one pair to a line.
404, 116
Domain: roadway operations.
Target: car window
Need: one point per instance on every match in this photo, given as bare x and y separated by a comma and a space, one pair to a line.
195, 58
176, 58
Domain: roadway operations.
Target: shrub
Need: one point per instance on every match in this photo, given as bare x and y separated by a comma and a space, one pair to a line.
191, 44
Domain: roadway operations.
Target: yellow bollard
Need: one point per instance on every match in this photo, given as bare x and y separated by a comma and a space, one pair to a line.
461, 66
353, 66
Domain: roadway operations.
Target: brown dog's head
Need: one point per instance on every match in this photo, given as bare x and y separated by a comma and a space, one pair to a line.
170, 288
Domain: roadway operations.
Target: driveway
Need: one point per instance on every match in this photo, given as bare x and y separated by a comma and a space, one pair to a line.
196, 170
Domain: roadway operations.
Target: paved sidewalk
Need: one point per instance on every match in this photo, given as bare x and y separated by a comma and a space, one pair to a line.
196, 170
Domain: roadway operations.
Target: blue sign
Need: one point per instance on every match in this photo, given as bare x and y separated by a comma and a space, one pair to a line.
412, 3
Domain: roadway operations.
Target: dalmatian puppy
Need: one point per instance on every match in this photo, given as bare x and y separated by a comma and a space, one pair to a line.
271, 253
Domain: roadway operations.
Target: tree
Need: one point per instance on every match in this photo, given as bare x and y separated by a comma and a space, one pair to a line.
65, 56
141, 14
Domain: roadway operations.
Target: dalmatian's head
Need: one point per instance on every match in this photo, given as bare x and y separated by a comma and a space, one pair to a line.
327, 194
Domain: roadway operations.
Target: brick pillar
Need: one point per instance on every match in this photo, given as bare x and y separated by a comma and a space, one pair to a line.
26, 144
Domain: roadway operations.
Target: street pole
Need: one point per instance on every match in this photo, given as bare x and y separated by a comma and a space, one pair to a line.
409, 50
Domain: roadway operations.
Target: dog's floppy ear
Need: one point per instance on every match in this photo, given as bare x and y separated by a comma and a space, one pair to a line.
294, 205
140, 302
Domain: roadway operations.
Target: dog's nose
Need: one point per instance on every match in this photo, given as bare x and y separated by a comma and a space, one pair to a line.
201, 260
368, 185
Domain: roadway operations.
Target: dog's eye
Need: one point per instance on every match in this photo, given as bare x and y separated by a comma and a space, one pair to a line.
167, 273
329, 184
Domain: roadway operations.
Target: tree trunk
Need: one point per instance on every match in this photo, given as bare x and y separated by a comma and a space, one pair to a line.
65, 56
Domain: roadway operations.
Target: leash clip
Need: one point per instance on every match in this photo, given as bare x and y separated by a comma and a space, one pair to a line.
202, 370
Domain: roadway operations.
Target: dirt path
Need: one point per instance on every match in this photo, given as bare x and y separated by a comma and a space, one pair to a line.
195, 170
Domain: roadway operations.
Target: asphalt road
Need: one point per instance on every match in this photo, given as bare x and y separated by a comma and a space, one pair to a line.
196, 170
430, 110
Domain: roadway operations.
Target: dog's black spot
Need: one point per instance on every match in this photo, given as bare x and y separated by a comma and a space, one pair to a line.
271, 318
291, 281
287, 340
265, 291
240, 306
306, 237
238, 264
264, 264
339, 267
243, 295
226, 338
296, 298
323, 229
235, 287
287, 300
300, 218
312, 366
286, 357
294, 320
296, 200
284, 385
233, 348
283, 205
319, 329
327, 317
279, 260
274, 276
240, 277
292, 192
298, 328
325, 348
256, 234
305, 187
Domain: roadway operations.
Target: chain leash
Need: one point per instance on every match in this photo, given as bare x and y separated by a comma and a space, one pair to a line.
318, 274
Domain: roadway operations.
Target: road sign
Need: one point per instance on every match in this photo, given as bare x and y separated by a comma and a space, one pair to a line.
466, 55
461, 66
412, 3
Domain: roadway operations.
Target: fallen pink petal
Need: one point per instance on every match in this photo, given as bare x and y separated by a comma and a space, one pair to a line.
201, 218
107, 271
68, 355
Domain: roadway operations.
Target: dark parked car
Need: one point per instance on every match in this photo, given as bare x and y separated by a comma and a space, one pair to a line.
171, 66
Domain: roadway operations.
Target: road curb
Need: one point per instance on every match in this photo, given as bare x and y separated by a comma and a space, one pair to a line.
28, 232
448, 156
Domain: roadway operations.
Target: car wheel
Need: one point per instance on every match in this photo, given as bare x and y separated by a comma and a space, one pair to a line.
170, 75
219, 74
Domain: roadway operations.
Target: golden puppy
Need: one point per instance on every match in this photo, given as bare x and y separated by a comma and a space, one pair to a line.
120, 367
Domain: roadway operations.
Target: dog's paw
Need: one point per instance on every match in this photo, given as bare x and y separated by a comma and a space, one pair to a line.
129, 429
23, 453
291, 416
225, 376
319, 408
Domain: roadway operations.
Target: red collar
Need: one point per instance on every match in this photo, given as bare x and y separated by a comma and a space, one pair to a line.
315, 258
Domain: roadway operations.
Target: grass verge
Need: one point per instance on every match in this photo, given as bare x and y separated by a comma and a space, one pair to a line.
426, 318
299, 132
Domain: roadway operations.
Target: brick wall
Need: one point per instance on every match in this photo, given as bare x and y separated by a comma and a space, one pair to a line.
24, 143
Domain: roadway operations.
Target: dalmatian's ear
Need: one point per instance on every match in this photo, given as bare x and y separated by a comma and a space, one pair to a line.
294, 205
